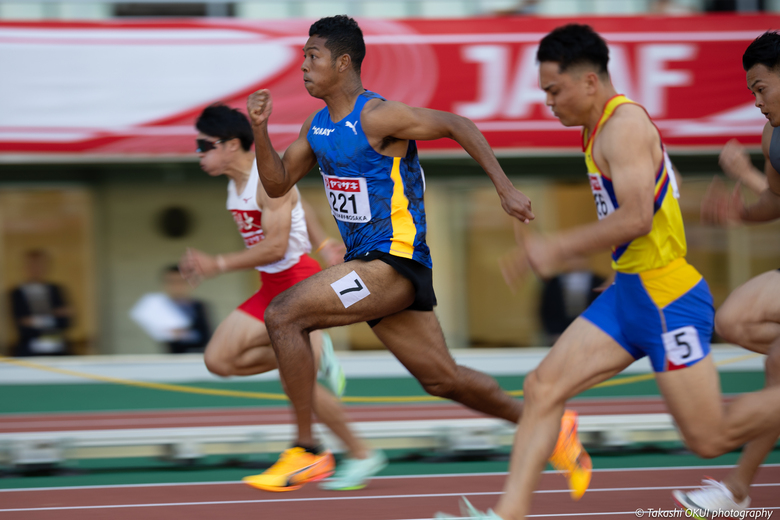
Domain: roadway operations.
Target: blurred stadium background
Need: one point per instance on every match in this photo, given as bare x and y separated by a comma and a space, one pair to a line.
98, 100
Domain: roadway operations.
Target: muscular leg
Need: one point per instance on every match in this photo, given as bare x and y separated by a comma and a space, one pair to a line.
583, 356
710, 429
750, 317
240, 347
416, 339
313, 304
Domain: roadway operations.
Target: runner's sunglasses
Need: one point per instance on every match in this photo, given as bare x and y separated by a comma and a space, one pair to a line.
204, 145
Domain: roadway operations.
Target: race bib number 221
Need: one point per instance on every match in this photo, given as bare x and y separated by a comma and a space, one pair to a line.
348, 198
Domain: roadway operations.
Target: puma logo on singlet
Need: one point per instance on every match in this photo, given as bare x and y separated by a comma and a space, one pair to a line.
323, 131
352, 126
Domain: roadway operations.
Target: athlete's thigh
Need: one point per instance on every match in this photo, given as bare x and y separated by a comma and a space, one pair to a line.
236, 334
343, 294
583, 356
755, 307
693, 397
415, 338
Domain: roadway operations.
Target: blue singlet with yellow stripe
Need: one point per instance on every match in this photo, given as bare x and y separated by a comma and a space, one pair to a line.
377, 200
659, 306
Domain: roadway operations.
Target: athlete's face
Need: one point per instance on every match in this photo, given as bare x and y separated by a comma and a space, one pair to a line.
319, 70
764, 83
568, 93
215, 160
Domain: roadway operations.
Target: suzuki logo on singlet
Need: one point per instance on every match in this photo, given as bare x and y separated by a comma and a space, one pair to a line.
323, 131
352, 126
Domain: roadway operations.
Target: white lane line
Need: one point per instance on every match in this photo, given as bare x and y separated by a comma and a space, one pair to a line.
385, 477
335, 499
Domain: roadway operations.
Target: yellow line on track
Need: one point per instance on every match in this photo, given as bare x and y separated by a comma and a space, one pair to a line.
281, 397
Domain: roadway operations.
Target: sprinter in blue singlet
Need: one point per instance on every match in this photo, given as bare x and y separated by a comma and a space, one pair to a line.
366, 151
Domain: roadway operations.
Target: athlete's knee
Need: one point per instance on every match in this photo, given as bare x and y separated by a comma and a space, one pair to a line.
729, 325
540, 391
707, 445
216, 363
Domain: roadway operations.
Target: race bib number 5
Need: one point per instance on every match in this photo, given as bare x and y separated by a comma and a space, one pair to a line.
683, 346
348, 197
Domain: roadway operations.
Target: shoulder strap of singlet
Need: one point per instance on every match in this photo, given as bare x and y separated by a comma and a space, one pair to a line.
609, 109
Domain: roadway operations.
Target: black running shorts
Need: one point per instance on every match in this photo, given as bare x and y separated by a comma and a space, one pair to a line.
420, 276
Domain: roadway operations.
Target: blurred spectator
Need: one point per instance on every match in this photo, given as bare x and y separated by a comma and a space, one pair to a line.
742, 6
195, 337
522, 7
174, 317
565, 297
669, 7
40, 310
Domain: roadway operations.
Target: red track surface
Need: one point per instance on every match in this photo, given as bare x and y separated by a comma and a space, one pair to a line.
614, 494
14, 423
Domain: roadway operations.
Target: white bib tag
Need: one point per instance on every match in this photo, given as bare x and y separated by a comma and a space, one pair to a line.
682, 345
604, 204
672, 178
348, 197
350, 289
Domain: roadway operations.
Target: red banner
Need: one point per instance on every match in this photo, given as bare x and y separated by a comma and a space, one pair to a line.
130, 89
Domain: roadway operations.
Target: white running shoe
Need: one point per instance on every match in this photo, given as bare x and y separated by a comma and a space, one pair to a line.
354, 474
713, 497
330, 368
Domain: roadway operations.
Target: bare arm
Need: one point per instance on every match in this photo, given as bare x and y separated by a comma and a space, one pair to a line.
278, 175
768, 205
277, 220
723, 209
736, 164
391, 119
625, 147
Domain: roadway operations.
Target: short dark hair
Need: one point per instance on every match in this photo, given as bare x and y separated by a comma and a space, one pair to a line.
764, 50
572, 45
342, 36
221, 121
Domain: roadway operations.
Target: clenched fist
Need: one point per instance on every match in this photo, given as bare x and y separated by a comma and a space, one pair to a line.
259, 106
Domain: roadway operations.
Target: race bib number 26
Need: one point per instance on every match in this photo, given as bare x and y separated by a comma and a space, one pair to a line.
348, 197
604, 204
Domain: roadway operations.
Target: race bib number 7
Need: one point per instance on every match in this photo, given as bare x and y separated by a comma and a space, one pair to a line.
348, 197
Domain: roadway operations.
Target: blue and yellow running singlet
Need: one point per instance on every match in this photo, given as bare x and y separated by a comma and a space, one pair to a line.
377, 200
659, 306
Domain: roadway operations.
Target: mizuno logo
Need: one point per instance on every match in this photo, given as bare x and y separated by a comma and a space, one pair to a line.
246, 199
352, 126
323, 131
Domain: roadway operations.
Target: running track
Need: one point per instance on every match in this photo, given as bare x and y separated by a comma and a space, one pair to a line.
183, 418
614, 494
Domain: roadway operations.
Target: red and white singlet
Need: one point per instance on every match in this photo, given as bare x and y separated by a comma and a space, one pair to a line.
248, 217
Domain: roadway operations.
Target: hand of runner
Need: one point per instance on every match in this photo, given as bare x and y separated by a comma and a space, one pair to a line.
333, 252
517, 205
195, 266
720, 208
734, 160
259, 106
